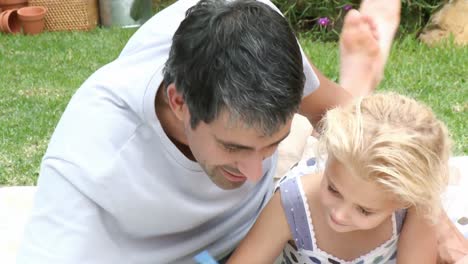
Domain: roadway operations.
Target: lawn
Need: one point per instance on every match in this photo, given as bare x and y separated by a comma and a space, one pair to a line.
38, 75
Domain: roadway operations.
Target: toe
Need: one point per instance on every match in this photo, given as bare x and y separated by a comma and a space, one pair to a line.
352, 18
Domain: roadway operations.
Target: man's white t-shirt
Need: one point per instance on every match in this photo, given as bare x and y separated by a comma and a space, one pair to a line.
114, 189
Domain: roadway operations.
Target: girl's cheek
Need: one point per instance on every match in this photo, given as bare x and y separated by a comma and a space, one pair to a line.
328, 200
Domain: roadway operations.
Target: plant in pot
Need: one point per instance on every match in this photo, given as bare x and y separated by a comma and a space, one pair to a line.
32, 19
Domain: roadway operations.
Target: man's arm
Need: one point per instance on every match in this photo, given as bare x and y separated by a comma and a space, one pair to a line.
326, 96
417, 240
452, 247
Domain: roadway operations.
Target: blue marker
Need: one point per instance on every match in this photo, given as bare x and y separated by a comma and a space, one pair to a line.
205, 258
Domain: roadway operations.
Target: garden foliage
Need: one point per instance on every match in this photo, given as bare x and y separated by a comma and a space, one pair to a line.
323, 19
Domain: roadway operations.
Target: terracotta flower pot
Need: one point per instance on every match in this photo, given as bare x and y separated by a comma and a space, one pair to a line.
12, 4
1, 26
9, 22
32, 19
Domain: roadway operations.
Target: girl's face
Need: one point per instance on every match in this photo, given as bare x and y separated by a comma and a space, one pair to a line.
351, 203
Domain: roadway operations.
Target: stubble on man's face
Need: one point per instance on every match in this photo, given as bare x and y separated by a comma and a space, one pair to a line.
217, 177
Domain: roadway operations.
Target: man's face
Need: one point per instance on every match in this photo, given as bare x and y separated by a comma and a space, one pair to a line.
230, 152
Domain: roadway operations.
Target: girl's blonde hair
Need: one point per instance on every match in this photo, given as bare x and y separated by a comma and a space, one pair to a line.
395, 141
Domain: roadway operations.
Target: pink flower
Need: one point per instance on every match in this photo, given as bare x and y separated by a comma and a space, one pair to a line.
323, 21
347, 7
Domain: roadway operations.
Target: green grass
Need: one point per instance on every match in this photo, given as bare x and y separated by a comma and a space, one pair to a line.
39, 74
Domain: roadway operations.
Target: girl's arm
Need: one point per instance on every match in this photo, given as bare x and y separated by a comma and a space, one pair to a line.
418, 242
266, 239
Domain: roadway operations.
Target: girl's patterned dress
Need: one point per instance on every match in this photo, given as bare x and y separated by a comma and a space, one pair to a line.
304, 248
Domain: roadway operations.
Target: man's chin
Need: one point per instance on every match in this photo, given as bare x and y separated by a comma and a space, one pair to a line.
227, 185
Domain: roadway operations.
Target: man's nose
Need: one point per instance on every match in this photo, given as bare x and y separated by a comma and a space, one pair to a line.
251, 166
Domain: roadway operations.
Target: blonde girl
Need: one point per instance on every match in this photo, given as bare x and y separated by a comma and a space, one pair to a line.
375, 201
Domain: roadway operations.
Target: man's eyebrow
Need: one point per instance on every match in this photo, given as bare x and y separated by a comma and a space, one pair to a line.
240, 146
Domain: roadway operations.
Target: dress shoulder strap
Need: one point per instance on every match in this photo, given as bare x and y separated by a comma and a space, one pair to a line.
294, 209
400, 216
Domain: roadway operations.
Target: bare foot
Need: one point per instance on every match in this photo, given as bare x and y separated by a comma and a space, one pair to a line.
359, 54
361, 69
386, 16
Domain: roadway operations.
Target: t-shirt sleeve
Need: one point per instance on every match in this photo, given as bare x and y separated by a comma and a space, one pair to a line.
311, 80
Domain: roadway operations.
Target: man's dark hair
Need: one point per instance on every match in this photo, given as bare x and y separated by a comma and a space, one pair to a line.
240, 56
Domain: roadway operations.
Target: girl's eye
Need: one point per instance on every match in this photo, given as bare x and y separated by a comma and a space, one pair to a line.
364, 211
332, 190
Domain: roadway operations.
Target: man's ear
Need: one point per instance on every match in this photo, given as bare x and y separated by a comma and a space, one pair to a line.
176, 101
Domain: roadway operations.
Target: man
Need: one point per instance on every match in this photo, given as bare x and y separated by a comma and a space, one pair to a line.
170, 149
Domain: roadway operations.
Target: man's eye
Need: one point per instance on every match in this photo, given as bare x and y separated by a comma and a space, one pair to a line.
231, 148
